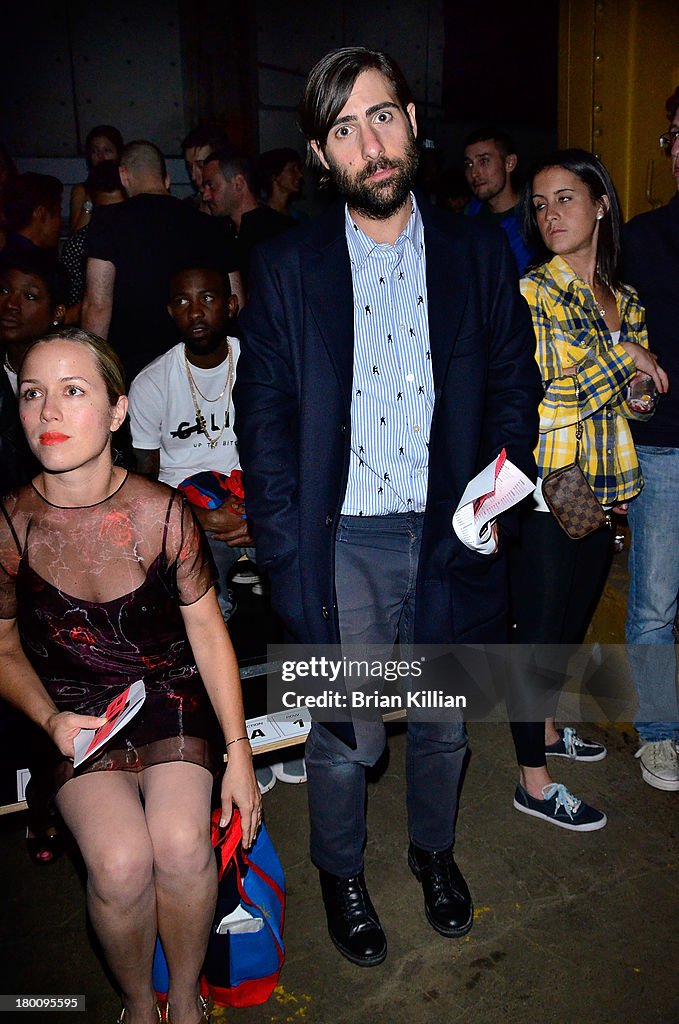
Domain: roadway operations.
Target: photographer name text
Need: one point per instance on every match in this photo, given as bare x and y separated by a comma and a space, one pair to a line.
376, 699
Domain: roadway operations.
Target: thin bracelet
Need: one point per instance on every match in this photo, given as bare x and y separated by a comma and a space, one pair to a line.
236, 741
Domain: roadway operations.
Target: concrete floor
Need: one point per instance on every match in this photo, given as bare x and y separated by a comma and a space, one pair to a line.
568, 928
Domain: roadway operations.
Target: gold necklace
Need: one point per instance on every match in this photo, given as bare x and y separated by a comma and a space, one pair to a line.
195, 391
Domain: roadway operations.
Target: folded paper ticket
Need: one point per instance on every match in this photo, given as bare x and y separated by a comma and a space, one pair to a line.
495, 489
118, 713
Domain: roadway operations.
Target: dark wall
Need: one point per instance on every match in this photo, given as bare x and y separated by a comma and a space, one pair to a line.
501, 62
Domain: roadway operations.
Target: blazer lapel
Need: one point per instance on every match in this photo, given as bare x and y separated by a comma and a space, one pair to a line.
326, 273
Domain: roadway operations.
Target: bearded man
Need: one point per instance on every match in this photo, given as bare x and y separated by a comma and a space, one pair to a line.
387, 357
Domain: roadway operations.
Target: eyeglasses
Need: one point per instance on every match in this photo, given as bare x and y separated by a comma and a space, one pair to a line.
668, 139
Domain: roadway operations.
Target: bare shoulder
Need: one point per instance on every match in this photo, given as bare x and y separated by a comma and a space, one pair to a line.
151, 492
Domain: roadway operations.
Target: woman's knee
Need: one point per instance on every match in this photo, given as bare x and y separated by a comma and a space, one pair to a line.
121, 873
182, 850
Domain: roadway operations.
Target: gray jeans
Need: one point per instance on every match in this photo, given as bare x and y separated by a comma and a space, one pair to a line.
376, 561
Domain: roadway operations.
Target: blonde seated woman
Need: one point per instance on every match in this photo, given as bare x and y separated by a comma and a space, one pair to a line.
103, 581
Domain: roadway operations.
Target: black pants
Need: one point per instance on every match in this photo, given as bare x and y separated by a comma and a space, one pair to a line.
556, 584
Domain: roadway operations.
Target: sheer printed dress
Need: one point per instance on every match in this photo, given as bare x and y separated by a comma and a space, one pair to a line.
96, 592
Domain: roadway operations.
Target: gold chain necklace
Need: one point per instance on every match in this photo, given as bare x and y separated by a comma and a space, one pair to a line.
195, 391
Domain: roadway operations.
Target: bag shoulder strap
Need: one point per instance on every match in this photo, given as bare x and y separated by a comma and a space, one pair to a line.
578, 422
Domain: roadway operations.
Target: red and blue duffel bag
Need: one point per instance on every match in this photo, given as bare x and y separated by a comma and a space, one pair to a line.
245, 950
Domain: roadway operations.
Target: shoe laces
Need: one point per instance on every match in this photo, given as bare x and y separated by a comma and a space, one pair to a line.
564, 798
353, 900
572, 741
440, 870
662, 754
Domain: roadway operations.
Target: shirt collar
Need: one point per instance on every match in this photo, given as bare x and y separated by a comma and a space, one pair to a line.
361, 246
567, 280
563, 274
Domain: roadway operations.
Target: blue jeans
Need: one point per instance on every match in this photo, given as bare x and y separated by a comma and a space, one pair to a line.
225, 558
652, 602
376, 561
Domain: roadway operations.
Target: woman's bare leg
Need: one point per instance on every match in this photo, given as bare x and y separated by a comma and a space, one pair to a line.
177, 800
104, 812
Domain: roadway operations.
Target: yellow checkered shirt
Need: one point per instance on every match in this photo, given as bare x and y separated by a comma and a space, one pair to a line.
570, 331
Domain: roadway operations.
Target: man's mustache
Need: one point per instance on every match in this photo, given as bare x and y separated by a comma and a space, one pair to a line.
379, 165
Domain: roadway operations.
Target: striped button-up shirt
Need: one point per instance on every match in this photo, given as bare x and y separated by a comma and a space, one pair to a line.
393, 386
571, 332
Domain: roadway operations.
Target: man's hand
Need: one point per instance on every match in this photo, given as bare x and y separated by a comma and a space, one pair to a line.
227, 523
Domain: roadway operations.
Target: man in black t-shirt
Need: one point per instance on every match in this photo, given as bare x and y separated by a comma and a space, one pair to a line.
134, 248
229, 189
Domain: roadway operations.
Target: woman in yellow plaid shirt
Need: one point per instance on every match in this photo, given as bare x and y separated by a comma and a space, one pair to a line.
591, 343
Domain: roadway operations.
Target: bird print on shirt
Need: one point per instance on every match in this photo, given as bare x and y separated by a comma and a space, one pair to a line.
391, 357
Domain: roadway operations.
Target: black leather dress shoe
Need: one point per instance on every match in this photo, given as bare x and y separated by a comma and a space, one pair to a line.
352, 922
447, 902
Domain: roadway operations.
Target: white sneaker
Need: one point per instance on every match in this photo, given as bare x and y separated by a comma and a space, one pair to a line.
293, 770
660, 764
266, 780
246, 573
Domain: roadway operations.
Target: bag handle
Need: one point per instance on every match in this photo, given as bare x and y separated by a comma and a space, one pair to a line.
226, 840
274, 926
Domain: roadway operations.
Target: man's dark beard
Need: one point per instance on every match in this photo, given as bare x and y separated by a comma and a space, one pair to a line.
205, 346
380, 199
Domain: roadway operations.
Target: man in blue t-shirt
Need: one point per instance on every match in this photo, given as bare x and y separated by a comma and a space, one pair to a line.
489, 161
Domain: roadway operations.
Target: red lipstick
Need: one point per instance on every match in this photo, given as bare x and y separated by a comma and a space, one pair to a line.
52, 437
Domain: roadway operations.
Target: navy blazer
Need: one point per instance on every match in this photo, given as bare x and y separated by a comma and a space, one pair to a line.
293, 417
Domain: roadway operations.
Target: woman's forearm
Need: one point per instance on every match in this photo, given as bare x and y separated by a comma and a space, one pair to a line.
216, 662
19, 684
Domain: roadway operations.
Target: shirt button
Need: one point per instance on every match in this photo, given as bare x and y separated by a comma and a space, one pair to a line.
325, 613
410, 376
416, 427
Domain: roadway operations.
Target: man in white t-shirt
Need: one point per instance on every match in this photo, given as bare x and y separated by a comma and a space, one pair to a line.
181, 410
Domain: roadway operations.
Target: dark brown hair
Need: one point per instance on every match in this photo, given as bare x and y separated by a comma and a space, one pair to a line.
592, 173
26, 193
104, 131
672, 104
331, 81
